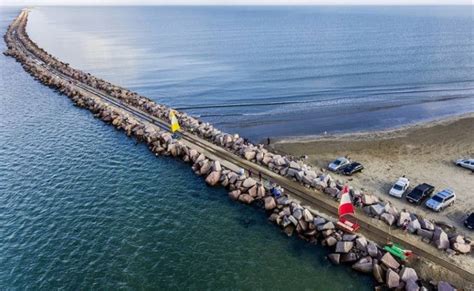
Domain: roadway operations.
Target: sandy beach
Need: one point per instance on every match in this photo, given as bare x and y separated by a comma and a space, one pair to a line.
423, 152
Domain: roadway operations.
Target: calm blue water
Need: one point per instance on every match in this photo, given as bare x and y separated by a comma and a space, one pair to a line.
82, 207
277, 71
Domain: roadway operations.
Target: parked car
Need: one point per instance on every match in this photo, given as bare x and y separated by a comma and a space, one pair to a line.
466, 163
338, 164
441, 200
469, 222
352, 168
400, 187
420, 193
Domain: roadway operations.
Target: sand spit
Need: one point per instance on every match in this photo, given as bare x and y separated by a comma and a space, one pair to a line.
423, 152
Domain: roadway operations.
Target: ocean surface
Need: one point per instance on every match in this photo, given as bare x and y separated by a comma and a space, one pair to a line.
277, 71
83, 207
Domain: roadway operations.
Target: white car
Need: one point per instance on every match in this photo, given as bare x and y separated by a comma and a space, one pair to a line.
400, 187
466, 163
338, 164
441, 200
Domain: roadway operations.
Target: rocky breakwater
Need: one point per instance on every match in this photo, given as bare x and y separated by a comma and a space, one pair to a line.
364, 256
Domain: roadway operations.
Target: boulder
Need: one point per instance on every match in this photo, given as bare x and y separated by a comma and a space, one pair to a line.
462, 248
308, 217
253, 191
331, 191
445, 286
295, 165
286, 221
273, 217
364, 265
319, 220
298, 213
344, 246
283, 200
213, 178
249, 155
261, 191
326, 226
216, 166
310, 233
348, 258
457, 239
407, 274
349, 237
200, 158
205, 167
427, 234
334, 258
361, 243
270, 203
403, 216
232, 177
285, 211
279, 161
440, 239
246, 198
316, 183
372, 249
328, 232
377, 272
289, 229
388, 218
302, 226
308, 179
368, 199
426, 224
377, 209
392, 279
411, 285
249, 182
325, 179
267, 159
293, 220
299, 175
389, 261
391, 209
330, 241
234, 195
414, 225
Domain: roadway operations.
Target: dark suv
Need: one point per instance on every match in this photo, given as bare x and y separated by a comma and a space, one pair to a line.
352, 168
420, 193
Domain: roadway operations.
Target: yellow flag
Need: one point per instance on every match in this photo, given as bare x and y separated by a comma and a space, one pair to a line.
174, 122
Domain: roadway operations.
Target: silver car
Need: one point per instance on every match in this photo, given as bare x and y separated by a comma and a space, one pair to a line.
466, 163
441, 200
338, 164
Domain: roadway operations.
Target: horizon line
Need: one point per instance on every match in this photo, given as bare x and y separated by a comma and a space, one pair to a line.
236, 4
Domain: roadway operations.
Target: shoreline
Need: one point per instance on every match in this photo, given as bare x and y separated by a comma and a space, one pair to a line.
388, 133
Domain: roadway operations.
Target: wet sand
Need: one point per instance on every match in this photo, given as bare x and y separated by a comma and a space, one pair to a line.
422, 152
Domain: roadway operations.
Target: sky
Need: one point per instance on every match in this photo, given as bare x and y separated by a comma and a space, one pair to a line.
235, 2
